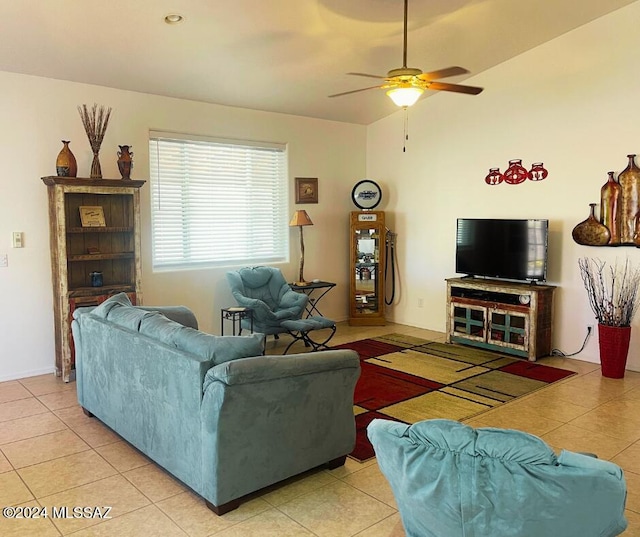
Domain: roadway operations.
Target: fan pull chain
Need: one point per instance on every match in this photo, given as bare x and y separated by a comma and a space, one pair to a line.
406, 129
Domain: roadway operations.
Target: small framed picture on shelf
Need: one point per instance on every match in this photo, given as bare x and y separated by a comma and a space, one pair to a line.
306, 190
92, 216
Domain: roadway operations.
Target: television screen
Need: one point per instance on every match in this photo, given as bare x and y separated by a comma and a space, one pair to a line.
506, 249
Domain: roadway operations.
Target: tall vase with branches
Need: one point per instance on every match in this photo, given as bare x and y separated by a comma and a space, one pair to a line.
613, 297
95, 123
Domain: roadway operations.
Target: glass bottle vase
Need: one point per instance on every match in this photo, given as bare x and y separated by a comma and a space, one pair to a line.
609, 208
629, 180
590, 232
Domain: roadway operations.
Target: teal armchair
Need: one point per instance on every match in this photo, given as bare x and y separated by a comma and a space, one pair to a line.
266, 292
451, 480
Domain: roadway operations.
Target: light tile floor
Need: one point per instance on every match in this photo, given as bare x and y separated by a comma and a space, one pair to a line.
53, 455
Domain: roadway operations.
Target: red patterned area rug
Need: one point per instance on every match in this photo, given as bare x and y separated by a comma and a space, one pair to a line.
409, 379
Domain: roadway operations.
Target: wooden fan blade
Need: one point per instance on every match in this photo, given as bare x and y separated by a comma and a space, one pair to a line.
443, 86
443, 73
353, 91
367, 75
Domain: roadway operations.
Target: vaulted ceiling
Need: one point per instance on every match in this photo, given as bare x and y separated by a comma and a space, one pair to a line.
276, 55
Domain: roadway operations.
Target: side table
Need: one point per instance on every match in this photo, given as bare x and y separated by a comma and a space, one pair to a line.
235, 315
321, 287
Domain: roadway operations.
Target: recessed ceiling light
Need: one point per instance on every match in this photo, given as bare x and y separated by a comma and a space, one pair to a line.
173, 18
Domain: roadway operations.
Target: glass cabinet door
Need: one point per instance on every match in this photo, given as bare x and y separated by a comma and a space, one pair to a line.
366, 260
367, 243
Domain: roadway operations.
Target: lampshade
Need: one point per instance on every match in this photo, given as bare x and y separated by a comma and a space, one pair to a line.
405, 95
301, 218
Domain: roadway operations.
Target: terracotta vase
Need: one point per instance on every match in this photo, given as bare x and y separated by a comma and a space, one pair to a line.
629, 180
613, 342
516, 173
125, 161
609, 208
66, 165
537, 172
590, 232
494, 177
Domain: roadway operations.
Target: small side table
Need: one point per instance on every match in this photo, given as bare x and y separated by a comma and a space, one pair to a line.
235, 315
322, 287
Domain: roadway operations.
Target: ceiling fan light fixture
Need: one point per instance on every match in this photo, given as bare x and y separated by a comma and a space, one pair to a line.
405, 96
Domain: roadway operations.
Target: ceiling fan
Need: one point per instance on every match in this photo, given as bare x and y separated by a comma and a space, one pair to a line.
405, 84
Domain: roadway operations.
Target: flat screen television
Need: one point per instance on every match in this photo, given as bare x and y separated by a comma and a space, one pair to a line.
504, 249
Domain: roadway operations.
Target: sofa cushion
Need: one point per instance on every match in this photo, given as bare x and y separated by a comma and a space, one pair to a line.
121, 299
220, 349
126, 316
157, 326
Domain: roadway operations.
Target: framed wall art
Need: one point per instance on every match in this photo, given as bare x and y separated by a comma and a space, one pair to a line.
306, 190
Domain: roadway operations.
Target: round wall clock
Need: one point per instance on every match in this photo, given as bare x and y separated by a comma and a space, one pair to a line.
366, 194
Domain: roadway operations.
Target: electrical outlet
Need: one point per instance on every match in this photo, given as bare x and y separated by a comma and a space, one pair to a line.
421, 302
4, 260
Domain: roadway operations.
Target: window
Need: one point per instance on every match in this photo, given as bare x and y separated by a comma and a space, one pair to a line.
217, 202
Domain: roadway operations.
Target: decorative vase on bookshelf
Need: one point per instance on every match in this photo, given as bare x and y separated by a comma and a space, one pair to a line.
609, 208
66, 165
590, 232
125, 161
629, 180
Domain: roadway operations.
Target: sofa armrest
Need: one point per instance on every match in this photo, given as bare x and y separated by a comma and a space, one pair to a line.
579, 460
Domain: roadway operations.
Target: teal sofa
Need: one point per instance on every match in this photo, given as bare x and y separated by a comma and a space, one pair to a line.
451, 480
211, 410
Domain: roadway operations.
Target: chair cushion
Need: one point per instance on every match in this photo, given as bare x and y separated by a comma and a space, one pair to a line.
315, 322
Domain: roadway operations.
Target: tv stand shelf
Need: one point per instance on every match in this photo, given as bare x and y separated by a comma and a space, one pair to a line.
510, 317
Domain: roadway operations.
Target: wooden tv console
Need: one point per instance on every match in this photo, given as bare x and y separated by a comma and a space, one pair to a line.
514, 318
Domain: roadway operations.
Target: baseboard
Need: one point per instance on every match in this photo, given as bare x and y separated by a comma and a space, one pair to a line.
25, 374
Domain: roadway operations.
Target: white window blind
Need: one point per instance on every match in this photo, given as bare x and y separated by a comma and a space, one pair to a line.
217, 202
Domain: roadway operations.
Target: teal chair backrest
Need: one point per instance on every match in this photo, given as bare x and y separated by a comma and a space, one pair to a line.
451, 480
267, 293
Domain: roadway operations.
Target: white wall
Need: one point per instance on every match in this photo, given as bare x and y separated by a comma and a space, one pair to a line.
571, 103
37, 113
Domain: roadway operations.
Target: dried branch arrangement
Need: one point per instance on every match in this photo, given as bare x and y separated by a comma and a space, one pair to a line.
95, 123
613, 293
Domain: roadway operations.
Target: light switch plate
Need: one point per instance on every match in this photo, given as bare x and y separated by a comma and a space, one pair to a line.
17, 239
4, 260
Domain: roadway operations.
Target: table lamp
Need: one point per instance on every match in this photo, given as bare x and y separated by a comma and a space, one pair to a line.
301, 218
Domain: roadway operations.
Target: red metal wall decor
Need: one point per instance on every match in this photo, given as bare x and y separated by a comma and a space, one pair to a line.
494, 177
516, 173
